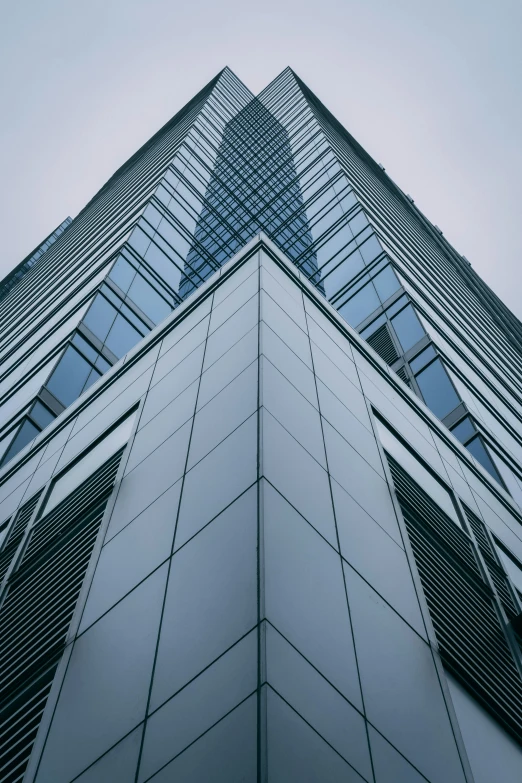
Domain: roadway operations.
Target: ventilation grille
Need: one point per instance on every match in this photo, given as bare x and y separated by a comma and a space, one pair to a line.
465, 616
37, 611
403, 375
494, 567
16, 534
382, 343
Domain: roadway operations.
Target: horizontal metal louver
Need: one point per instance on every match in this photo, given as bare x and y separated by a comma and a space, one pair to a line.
491, 560
37, 611
463, 609
16, 534
382, 343
403, 375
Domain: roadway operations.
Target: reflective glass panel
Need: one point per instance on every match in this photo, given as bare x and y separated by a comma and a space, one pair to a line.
41, 414
386, 283
481, 454
148, 300
361, 305
122, 273
464, 430
122, 337
100, 317
69, 376
408, 328
437, 389
422, 359
25, 434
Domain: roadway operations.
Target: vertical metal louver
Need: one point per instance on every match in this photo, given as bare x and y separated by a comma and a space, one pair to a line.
37, 611
472, 641
16, 534
381, 342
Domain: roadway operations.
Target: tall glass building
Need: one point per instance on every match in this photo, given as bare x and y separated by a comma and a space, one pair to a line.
261, 473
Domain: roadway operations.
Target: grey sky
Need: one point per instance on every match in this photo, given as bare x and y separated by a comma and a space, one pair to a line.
430, 89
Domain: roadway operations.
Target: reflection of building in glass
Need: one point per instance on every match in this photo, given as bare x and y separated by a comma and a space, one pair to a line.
253, 187
266, 528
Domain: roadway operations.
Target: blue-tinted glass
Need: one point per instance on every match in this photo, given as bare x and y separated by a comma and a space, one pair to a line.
464, 430
479, 451
370, 249
373, 326
148, 300
422, 359
122, 273
342, 274
386, 283
122, 337
437, 389
69, 376
102, 364
360, 306
100, 317
408, 328
85, 347
41, 415
396, 306
25, 434
93, 377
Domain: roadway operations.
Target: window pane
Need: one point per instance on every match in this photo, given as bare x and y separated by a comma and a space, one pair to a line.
122, 273
479, 451
464, 430
41, 414
148, 300
69, 376
25, 434
122, 337
408, 327
386, 283
422, 359
360, 306
100, 317
512, 482
437, 389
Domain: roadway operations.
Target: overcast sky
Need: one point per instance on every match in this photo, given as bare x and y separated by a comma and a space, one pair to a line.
430, 89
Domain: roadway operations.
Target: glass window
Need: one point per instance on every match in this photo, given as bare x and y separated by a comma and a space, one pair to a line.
422, 359
148, 300
69, 376
122, 273
481, 454
408, 328
386, 283
100, 317
416, 470
360, 306
437, 389
122, 337
25, 434
370, 249
464, 430
41, 415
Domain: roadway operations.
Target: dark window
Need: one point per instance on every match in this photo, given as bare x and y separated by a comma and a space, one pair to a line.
408, 328
437, 390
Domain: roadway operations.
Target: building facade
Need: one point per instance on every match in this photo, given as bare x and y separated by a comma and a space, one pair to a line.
260, 484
